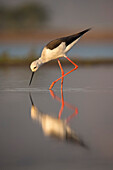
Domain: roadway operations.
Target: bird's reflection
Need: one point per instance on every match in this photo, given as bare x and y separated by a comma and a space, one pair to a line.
55, 127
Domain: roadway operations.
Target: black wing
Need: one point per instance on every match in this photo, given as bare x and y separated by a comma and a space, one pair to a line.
68, 40
53, 44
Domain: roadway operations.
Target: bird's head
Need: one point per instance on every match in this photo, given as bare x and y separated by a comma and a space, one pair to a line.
34, 67
34, 113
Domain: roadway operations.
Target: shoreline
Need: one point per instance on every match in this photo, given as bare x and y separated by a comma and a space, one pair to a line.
7, 61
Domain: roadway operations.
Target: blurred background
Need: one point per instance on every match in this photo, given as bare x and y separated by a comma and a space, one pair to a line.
27, 25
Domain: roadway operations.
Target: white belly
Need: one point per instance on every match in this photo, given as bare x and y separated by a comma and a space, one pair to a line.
48, 54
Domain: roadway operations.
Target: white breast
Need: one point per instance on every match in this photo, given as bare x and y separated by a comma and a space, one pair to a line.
55, 53
53, 127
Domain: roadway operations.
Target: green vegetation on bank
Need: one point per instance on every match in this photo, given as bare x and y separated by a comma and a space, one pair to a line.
6, 60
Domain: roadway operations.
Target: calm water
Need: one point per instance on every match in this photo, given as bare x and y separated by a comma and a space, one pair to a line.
23, 145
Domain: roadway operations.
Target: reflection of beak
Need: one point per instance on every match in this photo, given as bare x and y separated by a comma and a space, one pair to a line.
31, 99
31, 78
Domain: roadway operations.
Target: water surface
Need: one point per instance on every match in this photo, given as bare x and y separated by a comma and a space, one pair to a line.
23, 144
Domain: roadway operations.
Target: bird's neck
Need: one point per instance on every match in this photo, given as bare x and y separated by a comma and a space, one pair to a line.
39, 62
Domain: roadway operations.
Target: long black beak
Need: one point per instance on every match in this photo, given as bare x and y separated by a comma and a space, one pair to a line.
31, 78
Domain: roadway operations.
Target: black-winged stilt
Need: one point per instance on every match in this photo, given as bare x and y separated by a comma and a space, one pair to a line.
54, 50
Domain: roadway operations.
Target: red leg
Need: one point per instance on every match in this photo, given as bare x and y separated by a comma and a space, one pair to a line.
76, 66
62, 71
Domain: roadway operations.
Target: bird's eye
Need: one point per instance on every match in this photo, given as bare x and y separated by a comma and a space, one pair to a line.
34, 67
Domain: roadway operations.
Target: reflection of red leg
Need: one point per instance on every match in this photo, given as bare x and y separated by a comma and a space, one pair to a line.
76, 66
66, 104
59, 99
52, 94
62, 106
72, 115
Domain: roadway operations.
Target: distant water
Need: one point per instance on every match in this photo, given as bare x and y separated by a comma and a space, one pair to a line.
82, 50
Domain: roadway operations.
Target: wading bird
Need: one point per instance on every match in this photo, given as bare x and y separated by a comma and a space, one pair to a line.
54, 50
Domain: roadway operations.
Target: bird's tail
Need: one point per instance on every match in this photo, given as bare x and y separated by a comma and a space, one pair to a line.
72, 137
